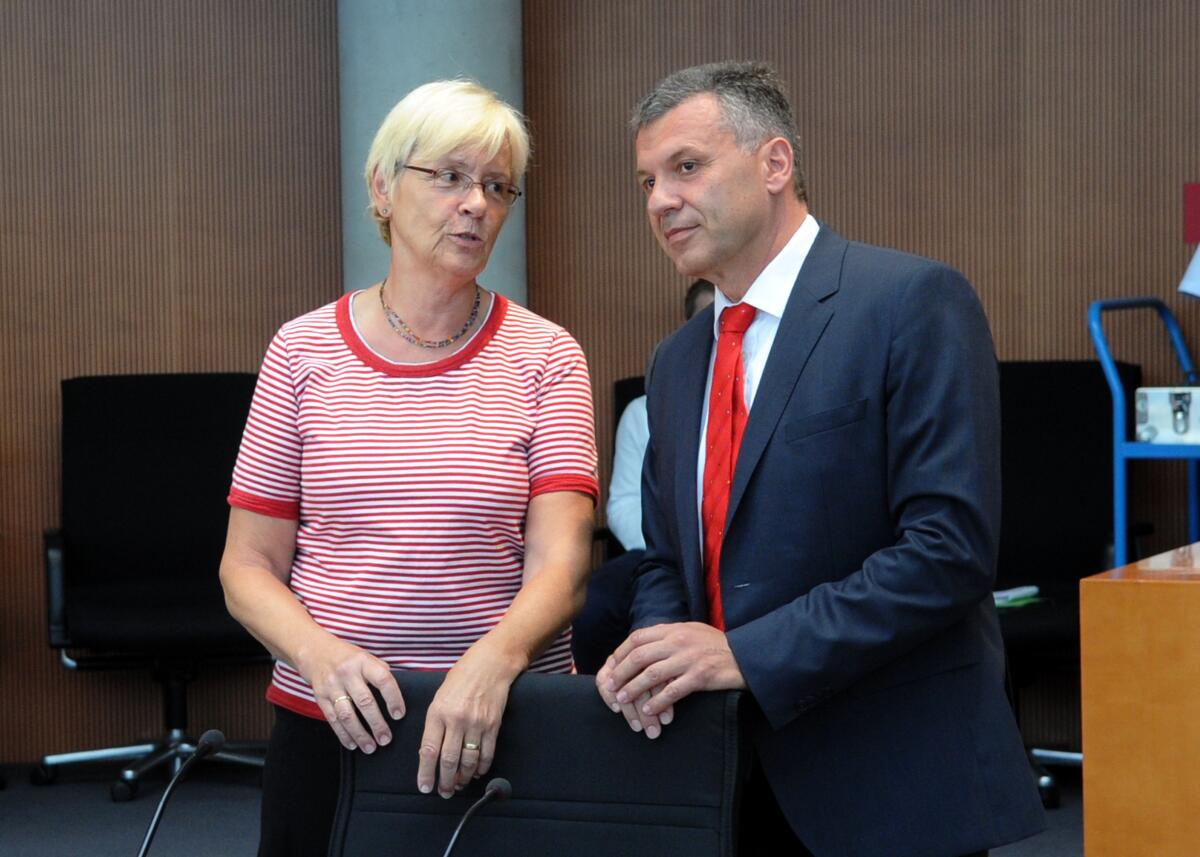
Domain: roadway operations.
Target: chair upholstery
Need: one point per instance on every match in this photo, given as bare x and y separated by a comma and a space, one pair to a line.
132, 573
582, 783
625, 390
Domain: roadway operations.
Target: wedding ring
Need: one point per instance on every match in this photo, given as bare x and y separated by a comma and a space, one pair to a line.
340, 698
470, 745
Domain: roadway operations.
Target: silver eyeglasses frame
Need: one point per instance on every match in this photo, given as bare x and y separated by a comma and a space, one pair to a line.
455, 180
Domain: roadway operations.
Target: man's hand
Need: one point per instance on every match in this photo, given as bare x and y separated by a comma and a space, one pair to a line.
650, 724
658, 666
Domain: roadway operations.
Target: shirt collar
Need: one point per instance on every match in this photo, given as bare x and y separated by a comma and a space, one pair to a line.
771, 289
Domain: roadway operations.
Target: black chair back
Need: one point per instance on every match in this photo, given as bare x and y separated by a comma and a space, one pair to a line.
146, 466
625, 391
1056, 463
582, 783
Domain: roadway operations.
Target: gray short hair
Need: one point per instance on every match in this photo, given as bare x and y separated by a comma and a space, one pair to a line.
753, 103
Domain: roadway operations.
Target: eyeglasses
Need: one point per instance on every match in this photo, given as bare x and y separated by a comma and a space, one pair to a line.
456, 181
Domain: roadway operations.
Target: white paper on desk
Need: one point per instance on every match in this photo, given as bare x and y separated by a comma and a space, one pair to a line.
1190, 284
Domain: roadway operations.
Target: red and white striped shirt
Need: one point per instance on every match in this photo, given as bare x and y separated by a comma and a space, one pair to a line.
410, 482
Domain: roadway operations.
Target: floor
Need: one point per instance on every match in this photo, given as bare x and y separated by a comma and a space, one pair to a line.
215, 812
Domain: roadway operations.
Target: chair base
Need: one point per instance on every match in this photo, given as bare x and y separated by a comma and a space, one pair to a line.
1046, 782
170, 753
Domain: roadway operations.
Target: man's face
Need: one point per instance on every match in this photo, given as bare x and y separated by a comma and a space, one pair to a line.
705, 197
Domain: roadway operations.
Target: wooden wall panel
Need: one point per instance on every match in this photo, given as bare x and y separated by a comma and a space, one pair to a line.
169, 198
1041, 148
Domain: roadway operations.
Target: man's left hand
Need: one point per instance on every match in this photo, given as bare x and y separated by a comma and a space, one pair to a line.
673, 660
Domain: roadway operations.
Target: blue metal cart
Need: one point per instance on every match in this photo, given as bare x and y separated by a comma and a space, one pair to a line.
1124, 449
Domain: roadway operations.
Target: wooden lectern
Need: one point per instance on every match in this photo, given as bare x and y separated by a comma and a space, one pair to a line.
1140, 639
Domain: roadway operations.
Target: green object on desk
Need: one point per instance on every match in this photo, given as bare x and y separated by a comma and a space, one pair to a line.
1019, 602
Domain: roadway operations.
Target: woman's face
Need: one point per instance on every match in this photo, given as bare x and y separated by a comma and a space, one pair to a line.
449, 233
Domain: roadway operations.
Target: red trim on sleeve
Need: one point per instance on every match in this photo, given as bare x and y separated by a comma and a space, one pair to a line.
263, 506
294, 703
567, 482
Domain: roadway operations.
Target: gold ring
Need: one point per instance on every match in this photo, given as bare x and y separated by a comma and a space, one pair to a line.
340, 698
470, 745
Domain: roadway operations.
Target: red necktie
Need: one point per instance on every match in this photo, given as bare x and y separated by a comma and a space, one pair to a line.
727, 415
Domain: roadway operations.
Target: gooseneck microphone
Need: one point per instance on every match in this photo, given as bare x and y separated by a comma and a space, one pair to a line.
209, 743
498, 790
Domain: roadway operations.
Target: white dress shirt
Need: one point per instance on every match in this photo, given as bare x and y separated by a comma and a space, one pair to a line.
768, 294
624, 509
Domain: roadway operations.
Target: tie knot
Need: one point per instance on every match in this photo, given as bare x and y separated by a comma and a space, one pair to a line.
737, 318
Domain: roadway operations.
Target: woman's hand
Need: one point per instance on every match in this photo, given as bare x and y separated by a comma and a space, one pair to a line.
255, 571
459, 741
342, 675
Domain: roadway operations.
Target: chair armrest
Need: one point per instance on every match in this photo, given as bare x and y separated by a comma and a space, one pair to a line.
56, 606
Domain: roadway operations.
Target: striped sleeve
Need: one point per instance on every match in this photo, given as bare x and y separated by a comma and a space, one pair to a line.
266, 478
562, 452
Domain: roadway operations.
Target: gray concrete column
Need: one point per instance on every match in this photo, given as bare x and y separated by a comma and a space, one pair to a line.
388, 47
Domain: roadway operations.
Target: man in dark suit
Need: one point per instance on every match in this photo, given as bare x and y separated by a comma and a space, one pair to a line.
821, 502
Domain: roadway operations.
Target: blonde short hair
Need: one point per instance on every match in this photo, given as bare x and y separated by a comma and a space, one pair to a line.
436, 119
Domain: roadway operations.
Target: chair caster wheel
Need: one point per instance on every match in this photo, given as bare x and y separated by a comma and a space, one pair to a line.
1048, 791
42, 775
122, 791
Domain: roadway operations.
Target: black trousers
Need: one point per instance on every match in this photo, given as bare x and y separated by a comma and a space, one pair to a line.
300, 787
762, 827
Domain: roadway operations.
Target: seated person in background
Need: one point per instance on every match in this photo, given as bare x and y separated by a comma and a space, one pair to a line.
604, 622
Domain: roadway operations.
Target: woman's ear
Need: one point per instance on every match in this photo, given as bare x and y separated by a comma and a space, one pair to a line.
380, 192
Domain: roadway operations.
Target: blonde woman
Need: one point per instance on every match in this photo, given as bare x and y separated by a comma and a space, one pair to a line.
416, 482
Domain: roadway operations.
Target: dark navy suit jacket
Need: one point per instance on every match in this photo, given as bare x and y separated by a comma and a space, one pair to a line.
859, 556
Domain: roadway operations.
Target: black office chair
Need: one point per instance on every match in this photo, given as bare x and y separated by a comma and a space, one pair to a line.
1056, 435
131, 576
625, 391
676, 795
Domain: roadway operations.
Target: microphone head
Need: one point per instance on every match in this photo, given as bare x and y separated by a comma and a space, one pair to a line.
499, 788
210, 742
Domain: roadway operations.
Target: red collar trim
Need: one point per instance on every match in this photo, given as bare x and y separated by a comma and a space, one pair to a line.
415, 370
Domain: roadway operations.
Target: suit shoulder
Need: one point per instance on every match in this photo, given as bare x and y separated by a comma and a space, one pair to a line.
697, 329
886, 263
682, 347
879, 277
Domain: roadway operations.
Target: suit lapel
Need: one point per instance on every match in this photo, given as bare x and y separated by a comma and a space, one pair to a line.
804, 319
696, 350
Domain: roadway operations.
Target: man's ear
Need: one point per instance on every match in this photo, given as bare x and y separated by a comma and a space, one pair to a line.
778, 164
